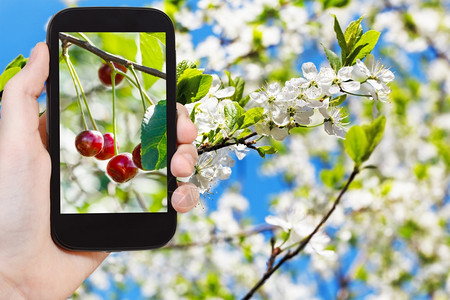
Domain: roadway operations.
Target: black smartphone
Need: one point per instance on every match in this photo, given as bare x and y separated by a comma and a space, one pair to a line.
111, 128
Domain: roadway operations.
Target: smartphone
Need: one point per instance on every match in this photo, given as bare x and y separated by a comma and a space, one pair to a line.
111, 128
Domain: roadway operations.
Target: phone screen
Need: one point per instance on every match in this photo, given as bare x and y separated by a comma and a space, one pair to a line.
113, 136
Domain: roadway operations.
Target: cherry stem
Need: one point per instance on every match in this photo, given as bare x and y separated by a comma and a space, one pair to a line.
69, 65
84, 97
135, 84
359, 95
309, 126
139, 86
113, 86
85, 37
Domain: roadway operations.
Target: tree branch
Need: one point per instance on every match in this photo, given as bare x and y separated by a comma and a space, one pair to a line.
228, 142
305, 241
64, 37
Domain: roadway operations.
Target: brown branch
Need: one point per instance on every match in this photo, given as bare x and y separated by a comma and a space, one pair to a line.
305, 241
217, 239
108, 56
274, 253
228, 142
344, 290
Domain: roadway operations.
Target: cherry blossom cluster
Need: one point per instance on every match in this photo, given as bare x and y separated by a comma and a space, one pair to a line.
284, 108
293, 105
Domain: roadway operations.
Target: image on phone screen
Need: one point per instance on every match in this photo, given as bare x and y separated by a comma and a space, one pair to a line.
113, 136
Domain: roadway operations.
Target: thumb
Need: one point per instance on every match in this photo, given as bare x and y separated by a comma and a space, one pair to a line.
20, 110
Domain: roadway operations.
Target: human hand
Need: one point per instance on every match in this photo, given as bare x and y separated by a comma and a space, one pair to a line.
31, 265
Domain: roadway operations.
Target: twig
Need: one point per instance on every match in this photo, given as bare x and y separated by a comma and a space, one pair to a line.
217, 239
228, 142
305, 241
108, 56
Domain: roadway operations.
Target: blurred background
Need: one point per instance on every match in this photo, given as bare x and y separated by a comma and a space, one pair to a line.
389, 238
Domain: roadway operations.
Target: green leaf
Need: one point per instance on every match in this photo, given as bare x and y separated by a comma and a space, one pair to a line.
122, 44
218, 138
230, 80
154, 137
363, 47
183, 65
244, 100
232, 112
361, 273
263, 150
161, 36
341, 38
269, 149
19, 61
374, 132
334, 3
338, 100
212, 134
421, 171
152, 52
238, 83
333, 177
250, 117
334, 60
356, 144
353, 32
7, 75
244, 133
360, 141
193, 112
192, 86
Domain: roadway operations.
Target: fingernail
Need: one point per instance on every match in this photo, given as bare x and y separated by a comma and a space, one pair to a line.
185, 198
182, 202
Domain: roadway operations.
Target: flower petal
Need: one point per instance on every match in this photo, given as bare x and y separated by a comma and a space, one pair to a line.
345, 73
225, 93
350, 86
309, 70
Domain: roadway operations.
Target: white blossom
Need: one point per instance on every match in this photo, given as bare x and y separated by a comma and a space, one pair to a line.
269, 99
373, 75
269, 128
332, 83
211, 167
312, 87
334, 122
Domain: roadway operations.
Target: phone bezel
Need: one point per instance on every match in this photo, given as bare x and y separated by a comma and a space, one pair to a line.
109, 231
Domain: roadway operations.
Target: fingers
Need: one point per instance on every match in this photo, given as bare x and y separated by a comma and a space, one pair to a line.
183, 160
19, 106
186, 130
185, 197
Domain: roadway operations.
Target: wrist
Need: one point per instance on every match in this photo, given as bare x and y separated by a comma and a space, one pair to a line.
9, 291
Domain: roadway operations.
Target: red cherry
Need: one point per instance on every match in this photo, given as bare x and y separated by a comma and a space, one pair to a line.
89, 142
137, 159
121, 168
108, 147
104, 74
